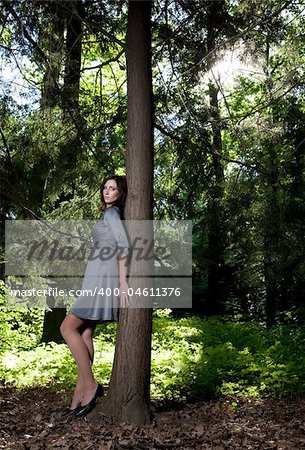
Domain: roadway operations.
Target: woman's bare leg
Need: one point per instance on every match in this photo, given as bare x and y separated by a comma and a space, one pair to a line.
87, 336
86, 385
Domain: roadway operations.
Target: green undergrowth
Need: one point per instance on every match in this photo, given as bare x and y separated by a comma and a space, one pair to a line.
197, 358
192, 358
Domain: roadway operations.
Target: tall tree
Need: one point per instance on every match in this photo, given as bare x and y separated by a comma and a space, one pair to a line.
128, 397
216, 292
53, 42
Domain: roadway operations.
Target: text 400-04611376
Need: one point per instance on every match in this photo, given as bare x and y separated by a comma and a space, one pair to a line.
153, 292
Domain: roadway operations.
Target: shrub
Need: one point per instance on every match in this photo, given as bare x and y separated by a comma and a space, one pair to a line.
192, 358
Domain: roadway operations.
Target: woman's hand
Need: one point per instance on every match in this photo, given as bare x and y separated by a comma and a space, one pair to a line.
124, 299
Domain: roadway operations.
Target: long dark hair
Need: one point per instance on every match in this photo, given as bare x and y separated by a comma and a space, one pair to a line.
122, 187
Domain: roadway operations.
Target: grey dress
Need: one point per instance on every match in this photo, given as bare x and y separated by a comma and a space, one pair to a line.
99, 299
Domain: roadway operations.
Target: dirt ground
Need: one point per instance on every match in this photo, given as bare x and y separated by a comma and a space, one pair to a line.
31, 419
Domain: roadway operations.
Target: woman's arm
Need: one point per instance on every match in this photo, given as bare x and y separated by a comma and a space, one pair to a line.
123, 281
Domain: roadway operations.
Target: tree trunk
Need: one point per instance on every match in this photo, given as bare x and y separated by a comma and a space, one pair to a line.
217, 294
51, 98
272, 237
52, 321
272, 218
293, 254
75, 14
54, 44
73, 53
128, 397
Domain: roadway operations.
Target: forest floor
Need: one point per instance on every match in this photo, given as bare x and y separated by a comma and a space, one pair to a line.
30, 419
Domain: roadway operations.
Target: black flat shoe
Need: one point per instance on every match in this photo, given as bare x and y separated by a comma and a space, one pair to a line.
85, 409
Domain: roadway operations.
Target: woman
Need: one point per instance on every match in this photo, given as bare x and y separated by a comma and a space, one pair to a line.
106, 271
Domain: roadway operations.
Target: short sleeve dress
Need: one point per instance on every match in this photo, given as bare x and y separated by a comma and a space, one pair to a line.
99, 299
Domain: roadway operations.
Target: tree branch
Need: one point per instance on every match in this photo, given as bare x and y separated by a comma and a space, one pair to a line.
212, 152
258, 108
24, 31
99, 66
16, 201
95, 27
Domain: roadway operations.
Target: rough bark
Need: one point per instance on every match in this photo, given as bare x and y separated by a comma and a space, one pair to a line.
128, 397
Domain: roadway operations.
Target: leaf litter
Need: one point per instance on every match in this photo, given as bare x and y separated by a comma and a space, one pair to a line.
31, 419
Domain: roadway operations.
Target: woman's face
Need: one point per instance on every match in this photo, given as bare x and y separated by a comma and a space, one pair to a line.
110, 192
